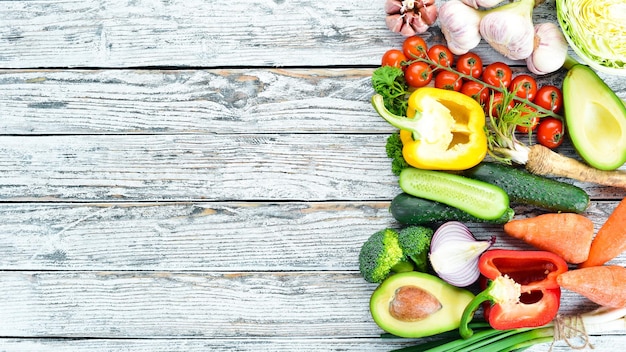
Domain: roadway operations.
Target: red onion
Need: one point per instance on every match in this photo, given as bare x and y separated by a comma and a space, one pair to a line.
454, 253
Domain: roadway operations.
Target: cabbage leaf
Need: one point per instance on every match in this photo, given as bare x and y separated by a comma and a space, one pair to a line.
596, 31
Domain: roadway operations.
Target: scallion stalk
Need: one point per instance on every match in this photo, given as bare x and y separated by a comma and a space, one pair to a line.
597, 321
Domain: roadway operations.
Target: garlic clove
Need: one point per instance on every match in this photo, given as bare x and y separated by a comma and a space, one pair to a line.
482, 3
509, 29
511, 35
409, 17
393, 7
394, 22
550, 49
459, 24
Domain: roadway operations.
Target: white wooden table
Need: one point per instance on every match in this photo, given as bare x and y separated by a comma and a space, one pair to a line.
199, 175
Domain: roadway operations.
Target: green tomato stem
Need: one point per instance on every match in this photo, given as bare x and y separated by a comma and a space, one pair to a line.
437, 66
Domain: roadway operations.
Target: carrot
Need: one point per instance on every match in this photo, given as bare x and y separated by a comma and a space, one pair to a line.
568, 235
610, 241
603, 285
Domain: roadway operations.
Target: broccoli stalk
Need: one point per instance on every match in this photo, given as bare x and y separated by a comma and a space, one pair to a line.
389, 251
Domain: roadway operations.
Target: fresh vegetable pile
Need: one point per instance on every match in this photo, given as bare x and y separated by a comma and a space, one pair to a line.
458, 154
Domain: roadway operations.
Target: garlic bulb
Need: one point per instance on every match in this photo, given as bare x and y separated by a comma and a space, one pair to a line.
459, 24
482, 3
410, 17
509, 29
550, 49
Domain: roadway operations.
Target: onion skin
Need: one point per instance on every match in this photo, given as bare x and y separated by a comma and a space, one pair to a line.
454, 254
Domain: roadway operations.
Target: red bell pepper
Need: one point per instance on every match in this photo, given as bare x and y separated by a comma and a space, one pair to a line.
521, 292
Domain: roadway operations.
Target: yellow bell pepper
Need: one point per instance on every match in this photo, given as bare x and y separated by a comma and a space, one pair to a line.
444, 129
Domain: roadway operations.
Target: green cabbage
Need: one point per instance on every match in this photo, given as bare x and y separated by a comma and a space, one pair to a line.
596, 31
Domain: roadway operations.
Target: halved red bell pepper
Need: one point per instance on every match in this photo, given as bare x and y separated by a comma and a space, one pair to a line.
521, 289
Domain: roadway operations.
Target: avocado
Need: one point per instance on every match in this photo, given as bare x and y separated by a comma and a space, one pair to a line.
595, 118
415, 304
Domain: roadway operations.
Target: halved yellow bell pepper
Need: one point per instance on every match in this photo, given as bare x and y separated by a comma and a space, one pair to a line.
444, 129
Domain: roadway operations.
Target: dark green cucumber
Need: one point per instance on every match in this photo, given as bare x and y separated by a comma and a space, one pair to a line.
480, 199
410, 210
526, 188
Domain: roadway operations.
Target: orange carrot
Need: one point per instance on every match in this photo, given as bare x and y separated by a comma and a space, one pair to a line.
610, 241
568, 235
603, 285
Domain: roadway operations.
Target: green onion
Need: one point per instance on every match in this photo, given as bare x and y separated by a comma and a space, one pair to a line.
568, 329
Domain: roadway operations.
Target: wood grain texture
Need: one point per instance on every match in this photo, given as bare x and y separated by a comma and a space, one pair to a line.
188, 236
202, 167
199, 33
197, 101
224, 236
200, 175
188, 167
194, 304
188, 101
601, 344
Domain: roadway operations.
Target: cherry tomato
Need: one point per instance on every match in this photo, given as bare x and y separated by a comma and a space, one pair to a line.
495, 101
418, 74
550, 98
414, 47
476, 90
448, 80
441, 54
498, 74
550, 132
524, 86
393, 57
470, 64
534, 121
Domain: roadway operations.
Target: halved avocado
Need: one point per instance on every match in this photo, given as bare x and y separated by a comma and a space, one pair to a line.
415, 304
595, 118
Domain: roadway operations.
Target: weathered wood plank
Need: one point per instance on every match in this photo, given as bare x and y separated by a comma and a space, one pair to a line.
193, 304
187, 236
601, 344
202, 167
197, 101
199, 33
187, 167
206, 236
188, 101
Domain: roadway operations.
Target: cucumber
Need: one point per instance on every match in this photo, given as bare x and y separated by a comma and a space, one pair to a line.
410, 210
527, 188
480, 199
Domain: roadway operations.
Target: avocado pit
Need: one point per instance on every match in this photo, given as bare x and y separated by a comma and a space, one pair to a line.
411, 303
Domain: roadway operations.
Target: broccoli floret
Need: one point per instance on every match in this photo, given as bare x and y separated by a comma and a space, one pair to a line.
394, 152
380, 255
389, 251
415, 243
